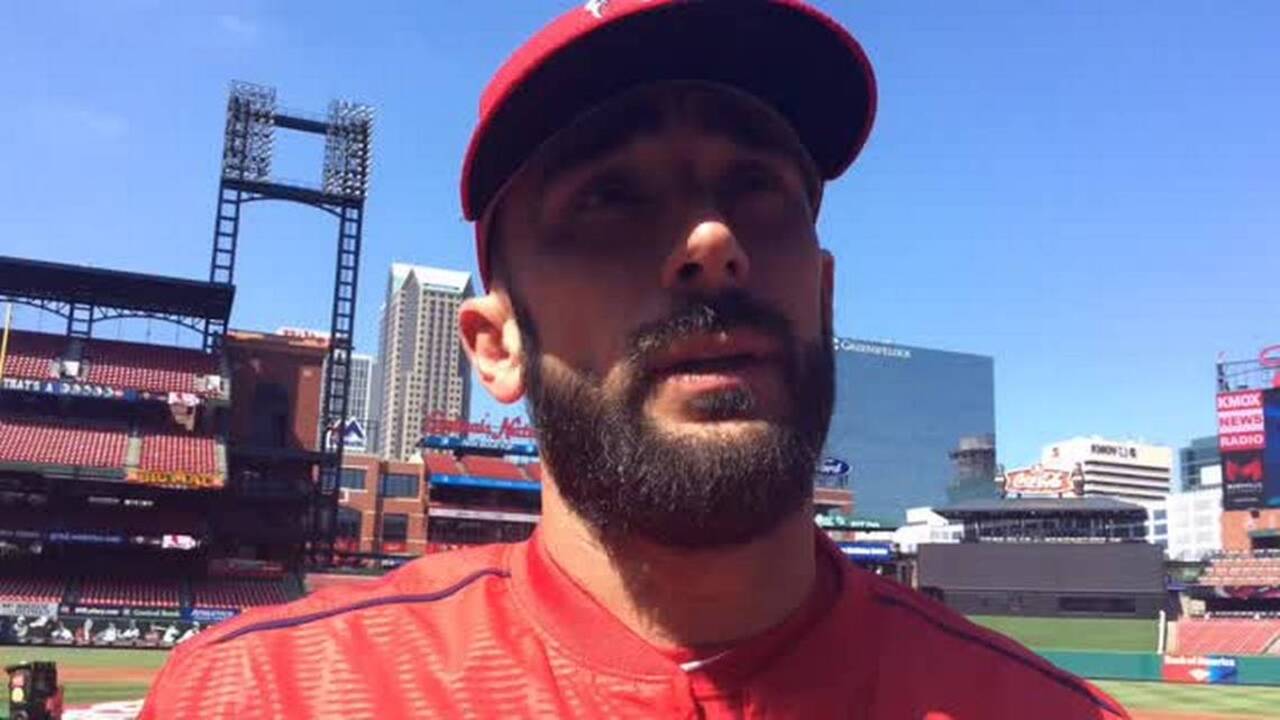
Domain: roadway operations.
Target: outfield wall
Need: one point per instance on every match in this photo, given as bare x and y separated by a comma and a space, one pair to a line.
1152, 667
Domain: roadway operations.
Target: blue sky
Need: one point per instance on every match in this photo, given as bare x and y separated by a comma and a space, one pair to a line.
1086, 191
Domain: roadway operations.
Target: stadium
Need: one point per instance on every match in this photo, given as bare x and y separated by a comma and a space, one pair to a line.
148, 491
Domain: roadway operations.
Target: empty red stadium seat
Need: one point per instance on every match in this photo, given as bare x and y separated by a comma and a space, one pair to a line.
179, 453
489, 467
1228, 636
134, 593
32, 355
155, 368
238, 593
33, 590
438, 464
55, 441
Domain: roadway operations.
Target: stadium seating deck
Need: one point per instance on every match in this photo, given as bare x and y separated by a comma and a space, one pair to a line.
1227, 636
439, 464
135, 593
1242, 569
179, 453
155, 368
34, 590
32, 355
238, 593
54, 441
491, 468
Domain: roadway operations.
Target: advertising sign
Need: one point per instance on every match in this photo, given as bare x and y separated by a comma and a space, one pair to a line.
79, 389
1240, 421
468, 481
175, 479
353, 435
1271, 453
513, 434
832, 472
34, 609
469, 514
1242, 437
867, 551
1038, 480
1200, 669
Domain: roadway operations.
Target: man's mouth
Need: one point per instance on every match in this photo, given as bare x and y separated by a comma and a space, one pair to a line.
716, 354
712, 365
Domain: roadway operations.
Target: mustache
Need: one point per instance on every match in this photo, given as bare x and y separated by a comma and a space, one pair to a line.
706, 314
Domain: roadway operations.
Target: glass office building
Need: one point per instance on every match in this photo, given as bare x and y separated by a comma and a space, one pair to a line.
1200, 454
904, 418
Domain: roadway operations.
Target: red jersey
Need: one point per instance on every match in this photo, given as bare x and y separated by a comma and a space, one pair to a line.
501, 632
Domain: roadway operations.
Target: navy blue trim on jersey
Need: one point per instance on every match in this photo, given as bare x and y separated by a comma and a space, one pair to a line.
1052, 672
289, 622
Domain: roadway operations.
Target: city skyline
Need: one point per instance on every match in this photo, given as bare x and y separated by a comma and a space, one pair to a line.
1058, 201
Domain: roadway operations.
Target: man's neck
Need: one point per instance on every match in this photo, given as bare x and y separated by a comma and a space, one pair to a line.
686, 598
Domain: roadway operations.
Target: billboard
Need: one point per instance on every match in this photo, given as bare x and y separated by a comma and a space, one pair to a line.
872, 552
1038, 480
1249, 442
513, 436
1200, 669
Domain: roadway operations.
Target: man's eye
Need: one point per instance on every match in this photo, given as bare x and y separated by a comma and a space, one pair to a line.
609, 194
755, 180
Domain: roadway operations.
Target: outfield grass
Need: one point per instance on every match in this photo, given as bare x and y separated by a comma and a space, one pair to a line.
85, 657
1119, 635
84, 692
1241, 700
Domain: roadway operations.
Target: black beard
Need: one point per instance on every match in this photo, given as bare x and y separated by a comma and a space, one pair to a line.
627, 478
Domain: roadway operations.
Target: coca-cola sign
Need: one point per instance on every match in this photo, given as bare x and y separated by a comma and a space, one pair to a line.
1038, 480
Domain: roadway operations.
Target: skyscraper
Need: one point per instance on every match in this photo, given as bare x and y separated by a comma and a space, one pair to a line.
1125, 470
911, 424
421, 368
1201, 453
360, 401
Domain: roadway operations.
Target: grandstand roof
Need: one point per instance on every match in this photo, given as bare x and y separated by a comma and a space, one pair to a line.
40, 280
985, 506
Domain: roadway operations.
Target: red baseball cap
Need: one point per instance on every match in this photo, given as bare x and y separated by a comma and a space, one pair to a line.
784, 52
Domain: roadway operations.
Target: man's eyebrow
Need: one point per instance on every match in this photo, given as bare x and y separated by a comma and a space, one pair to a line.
600, 136
726, 117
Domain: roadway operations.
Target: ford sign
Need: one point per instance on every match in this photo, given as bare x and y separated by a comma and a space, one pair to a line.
831, 467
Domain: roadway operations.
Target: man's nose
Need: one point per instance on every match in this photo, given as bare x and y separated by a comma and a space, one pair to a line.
709, 259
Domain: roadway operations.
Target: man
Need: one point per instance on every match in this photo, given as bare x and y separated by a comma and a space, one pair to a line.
645, 178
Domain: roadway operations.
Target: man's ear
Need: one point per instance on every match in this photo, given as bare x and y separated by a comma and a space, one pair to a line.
491, 338
828, 291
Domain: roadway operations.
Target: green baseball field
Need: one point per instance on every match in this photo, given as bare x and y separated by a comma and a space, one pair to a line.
96, 676
1145, 700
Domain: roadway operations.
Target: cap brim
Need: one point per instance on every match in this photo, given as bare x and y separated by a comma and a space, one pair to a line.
787, 54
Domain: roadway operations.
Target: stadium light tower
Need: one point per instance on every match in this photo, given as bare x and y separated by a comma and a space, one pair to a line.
253, 116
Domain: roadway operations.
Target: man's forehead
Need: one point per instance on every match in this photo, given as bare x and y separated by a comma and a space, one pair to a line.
716, 110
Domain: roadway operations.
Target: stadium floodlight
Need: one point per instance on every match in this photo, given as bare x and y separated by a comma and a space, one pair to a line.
250, 132
347, 149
